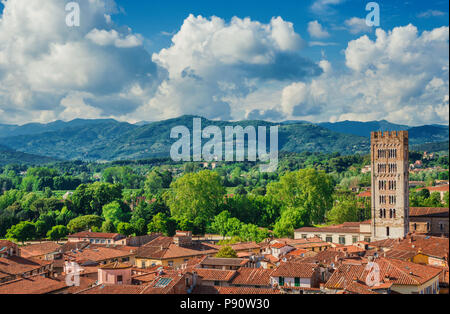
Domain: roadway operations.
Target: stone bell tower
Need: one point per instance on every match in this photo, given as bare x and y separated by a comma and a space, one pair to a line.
390, 184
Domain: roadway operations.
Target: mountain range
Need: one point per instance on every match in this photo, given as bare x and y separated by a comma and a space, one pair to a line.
105, 140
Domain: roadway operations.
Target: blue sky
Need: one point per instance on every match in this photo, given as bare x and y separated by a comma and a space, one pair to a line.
155, 18
314, 60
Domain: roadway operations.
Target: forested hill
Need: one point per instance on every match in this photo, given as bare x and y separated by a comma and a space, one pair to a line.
9, 156
105, 140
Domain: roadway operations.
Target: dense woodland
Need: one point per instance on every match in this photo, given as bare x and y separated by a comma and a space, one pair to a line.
157, 195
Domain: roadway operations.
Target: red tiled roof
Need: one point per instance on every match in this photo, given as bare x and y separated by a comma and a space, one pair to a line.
295, 270
215, 274
39, 249
164, 248
32, 285
246, 290
114, 289
97, 254
399, 273
365, 194
100, 235
438, 188
252, 276
278, 245
428, 211
16, 265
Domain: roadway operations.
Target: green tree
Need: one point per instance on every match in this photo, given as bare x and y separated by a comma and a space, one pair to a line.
84, 223
162, 224
90, 199
125, 228
108, 227
306, 188
116, 212
291, 219
41, 229
57, 233
345, 210
196, 197
23, 231
226, 252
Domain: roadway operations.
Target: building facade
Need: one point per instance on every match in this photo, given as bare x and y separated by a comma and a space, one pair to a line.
390, 184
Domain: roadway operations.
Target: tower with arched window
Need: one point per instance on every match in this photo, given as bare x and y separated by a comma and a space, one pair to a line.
390, 184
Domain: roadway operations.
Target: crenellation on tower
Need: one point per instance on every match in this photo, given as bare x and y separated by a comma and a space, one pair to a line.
390, 184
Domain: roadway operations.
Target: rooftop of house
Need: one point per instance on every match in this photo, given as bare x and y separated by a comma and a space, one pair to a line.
39, 249
215, 274
165, 248
216, 261
438, 188
415, 243
114, 289
252, 276
295, 270
393, 271
96, 235
97, 254
32, 285
428, 211
15, 265
116, 265
246, 290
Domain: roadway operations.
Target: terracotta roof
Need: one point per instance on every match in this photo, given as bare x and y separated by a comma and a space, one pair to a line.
327, 257
215, 274
278, 245
246, 290
114, 289
164, 248
295, 270
97, 254
347, 227
438, 188
39, 249
245, 246
32, 285
16, 265
100, 235
297, 252
398, 272
165, 284
271, 258
216, 261
356, 287
6, 244
365, 194
428, 211
252, 276
432, 246
116, 265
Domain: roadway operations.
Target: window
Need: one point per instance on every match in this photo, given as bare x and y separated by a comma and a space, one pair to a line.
441, 226
304, 236
415, 226
170, 263
428, 226
281, 281
329, 238
119, 279
355, 239
387, 231
297, 282
217, 283
341, 239
143, 264
366, 239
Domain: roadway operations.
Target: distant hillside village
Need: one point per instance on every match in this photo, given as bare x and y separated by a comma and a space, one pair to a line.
323, 224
